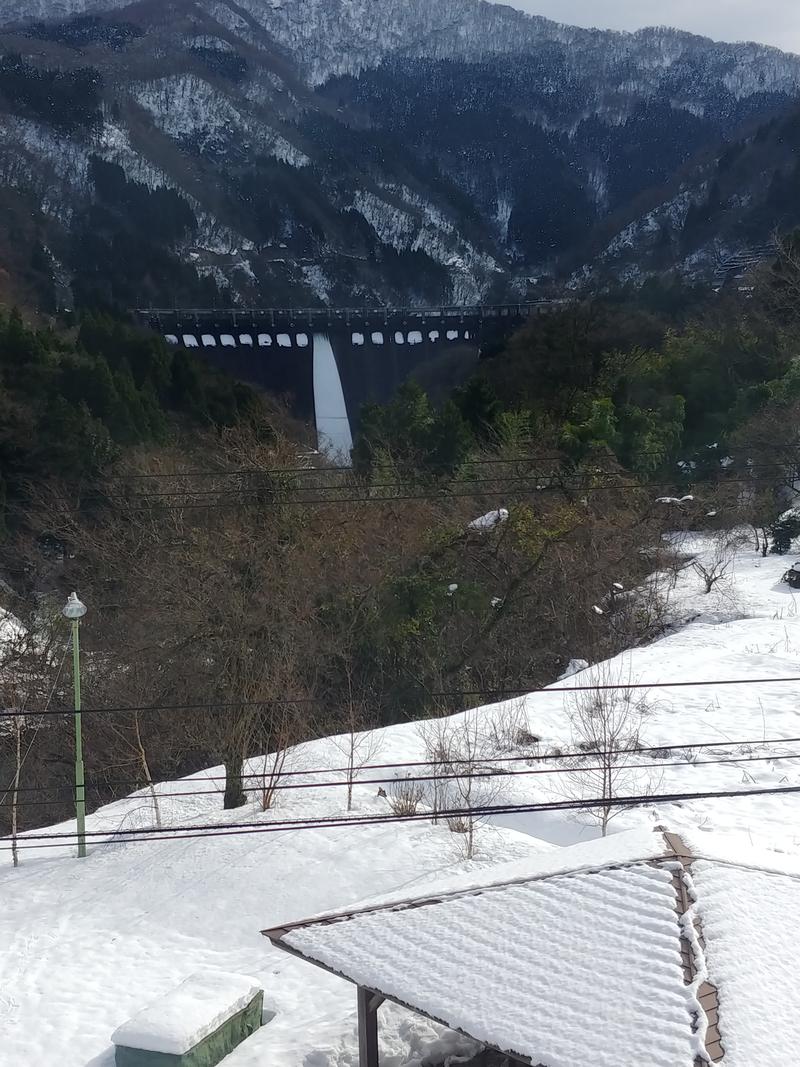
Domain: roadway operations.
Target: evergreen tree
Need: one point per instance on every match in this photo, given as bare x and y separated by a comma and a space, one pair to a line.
479, 406
784, 530
186, 390
449, 440
71, 442
130, 422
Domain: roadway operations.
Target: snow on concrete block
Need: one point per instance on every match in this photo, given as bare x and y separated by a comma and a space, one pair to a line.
575, 666
195, 1025
490, 520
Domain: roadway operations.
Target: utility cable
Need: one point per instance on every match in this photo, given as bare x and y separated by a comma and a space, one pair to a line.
232, 829
576, 769
454, 694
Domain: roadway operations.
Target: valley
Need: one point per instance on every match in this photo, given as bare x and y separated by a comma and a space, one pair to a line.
399, 473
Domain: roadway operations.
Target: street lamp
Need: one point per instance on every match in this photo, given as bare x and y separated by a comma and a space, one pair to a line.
74, 610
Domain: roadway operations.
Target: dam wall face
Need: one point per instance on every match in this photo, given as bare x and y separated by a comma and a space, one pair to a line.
328, 363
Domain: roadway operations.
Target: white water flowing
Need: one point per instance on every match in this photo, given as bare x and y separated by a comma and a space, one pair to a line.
333, 425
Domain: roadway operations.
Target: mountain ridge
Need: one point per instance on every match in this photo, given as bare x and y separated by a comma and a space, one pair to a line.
438, 153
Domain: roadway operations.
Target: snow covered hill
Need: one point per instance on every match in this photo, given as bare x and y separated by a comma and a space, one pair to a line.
443, 151
330, 37
85, 944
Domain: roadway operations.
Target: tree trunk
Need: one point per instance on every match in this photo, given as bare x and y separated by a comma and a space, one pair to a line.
146, 770
235, 796
15, 794
351, 763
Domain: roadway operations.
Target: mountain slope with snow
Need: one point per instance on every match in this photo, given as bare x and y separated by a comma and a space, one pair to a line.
443, 151
87, 943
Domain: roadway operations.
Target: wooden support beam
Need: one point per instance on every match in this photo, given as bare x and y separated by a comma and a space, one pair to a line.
368, 1004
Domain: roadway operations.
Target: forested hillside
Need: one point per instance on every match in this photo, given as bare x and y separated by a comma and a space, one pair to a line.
244, 595
73, 402
735, 198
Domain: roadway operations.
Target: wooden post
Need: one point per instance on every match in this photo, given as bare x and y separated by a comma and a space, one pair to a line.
368, 1004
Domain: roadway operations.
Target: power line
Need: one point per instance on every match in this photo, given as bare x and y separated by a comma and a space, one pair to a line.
350, 485
453, 694
483, 461
325, 822
293, 497
352, 481
340, 469
266, 776
557, 477
238, 501
639, 750
277, 491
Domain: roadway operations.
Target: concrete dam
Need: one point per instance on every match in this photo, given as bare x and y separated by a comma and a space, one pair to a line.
329, 362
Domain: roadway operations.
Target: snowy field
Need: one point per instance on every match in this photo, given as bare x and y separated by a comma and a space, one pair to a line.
85, 945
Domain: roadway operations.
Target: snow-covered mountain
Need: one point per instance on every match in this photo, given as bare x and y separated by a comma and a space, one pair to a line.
331, 37
352, 150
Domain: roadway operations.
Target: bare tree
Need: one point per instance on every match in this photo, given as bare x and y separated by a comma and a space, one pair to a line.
279, 729
435, 735
30, 669
780, 283
15, 789
14, 697
130, 744
507, 729
359, 744
605, 726
460, 750
405, 796
715, 566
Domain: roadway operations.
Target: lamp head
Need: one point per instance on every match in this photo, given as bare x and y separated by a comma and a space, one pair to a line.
74, 608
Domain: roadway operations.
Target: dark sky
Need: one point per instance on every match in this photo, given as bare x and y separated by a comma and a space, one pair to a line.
771, 21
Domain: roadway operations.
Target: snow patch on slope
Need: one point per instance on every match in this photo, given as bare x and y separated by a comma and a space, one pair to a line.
420, 227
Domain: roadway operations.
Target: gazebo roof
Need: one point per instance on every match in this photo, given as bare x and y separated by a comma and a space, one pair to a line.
629, 951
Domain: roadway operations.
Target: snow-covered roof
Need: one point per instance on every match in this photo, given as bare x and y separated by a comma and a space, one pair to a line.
627, 951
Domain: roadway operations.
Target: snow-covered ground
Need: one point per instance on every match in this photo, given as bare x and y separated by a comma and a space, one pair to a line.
85, 945
11, 629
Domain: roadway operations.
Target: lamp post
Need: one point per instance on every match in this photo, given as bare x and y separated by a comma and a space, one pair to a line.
74, 611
